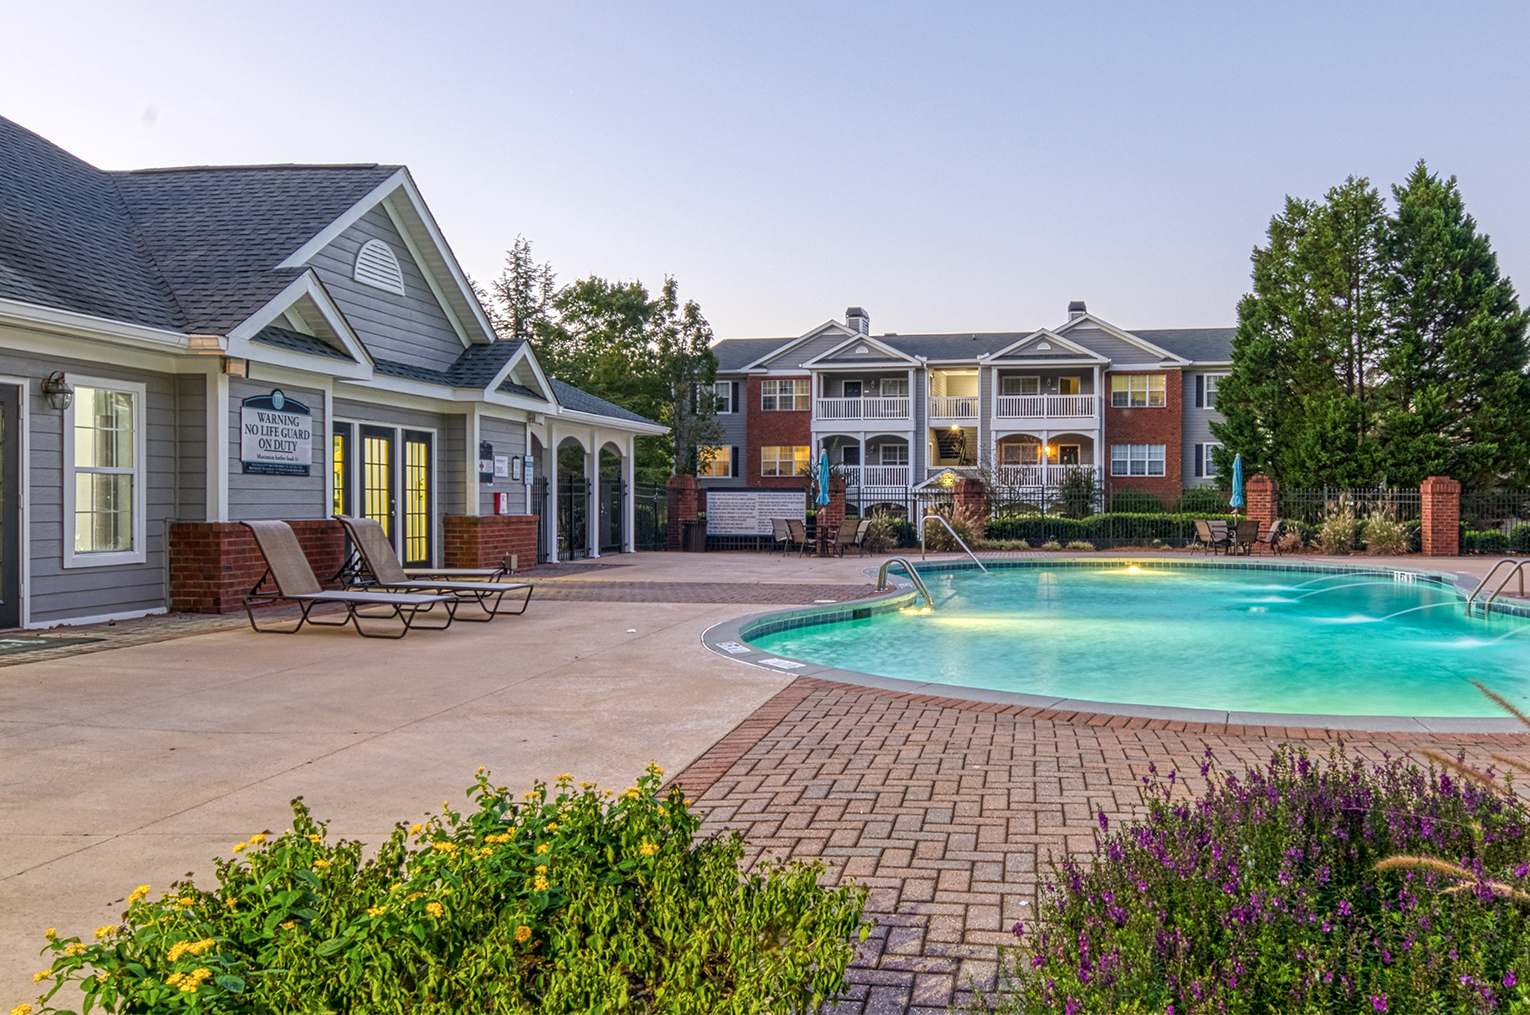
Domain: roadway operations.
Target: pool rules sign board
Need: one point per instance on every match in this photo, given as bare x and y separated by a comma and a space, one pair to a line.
275, 435
748, 512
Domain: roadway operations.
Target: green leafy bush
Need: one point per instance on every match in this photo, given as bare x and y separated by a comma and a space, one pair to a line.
1488, 541
1080, 545
1099, 529
1201, 501
1343, 887
1414, 531
576, 901
1519, 538
1141, 503
881, 534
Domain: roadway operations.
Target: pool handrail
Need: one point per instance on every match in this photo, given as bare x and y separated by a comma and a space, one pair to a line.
1516, 566
908, 566
925, 522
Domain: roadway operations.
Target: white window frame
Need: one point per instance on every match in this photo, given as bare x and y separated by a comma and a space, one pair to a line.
139, 553
902, 382
776, 462
722, 457
901, 451
1019, 384
722, 391
1133, 388
1208, 464
771, 394
1209, 390
1143, 453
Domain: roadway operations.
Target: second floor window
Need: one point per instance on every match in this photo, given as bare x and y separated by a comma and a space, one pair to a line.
894, 454
1137, 390
724, 390
893, 387
1020, 385
786, 396
1206, 390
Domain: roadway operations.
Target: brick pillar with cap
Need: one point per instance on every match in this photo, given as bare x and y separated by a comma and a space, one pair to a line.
683, 493
830, 515
1262, 501
1440, 505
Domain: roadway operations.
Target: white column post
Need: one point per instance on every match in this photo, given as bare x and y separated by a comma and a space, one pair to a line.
592, 505
629, 511
471, 464
552, 492
217, 441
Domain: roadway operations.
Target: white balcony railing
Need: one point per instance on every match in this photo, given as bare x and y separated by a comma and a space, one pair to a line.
875, 475
1046, 406
862, 408
953, 406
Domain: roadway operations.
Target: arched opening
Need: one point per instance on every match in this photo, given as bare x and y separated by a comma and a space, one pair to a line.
537, 493
573, 501
613, 500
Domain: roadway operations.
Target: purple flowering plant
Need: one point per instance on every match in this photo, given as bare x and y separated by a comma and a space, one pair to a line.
1302, 885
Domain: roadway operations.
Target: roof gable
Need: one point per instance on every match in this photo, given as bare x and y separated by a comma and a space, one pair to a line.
798, 351
1045, 344
860, 349
1114, 343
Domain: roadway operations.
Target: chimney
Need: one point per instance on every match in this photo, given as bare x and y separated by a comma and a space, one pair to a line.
1076, 310
858, 321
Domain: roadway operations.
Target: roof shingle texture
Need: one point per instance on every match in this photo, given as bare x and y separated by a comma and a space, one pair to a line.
582, 401
1209, 345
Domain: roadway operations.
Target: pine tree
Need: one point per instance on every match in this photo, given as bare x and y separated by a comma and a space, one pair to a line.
522, 296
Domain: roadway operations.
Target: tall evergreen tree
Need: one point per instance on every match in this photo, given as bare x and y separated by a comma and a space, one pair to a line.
522, 297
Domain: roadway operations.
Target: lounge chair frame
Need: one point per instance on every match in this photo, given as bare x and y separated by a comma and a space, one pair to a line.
292, 580
379, 568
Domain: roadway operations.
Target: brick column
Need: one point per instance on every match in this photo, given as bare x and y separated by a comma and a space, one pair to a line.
831, 514
1261, 501
1440, 499
683, 507
486, 540
214, 565
969, 502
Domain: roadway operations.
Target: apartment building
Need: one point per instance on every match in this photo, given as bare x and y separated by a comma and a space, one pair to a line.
900, 413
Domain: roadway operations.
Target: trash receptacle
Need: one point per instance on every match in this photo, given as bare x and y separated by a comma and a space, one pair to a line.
693, 537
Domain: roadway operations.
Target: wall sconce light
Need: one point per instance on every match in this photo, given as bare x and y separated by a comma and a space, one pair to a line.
59, 391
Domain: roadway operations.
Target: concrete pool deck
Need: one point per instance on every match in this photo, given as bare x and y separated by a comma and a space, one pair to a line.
140, 759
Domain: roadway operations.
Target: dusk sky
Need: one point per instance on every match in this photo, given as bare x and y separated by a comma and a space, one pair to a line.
950, 167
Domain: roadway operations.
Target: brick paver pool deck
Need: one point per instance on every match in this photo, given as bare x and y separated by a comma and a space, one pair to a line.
945, 808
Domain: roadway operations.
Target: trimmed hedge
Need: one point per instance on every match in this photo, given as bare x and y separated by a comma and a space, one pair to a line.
1120, 525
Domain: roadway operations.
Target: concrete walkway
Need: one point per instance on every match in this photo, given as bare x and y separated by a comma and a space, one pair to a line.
136, 764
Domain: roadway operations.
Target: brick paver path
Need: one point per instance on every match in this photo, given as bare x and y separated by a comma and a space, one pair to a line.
947, 809
770, 593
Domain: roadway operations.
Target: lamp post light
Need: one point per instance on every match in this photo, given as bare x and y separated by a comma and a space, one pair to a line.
59, 391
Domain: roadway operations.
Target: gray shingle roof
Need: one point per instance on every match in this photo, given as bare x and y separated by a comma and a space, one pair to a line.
582, 401
475, 368
298, 342
191, 250
734, 354
1203, 345
1196, 344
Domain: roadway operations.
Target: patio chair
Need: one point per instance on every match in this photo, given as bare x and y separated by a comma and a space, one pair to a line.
853, 533
383, 570
293, 579
799, 536
1245, 534
1210, 535
1271, 539
780, 534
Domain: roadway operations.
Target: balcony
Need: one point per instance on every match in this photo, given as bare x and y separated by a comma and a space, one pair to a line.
874, 475
947, 407
1047, 407
850, 409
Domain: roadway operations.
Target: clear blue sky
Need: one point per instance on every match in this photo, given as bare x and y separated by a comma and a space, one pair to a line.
951, 167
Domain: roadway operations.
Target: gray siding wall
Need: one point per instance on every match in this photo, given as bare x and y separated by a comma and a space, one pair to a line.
1110, 346
1049, 377
451, 461
56, 594
191, 447
411, 328
919, 453
508, 438
256, 496
734, 427
1196, 430
798, 355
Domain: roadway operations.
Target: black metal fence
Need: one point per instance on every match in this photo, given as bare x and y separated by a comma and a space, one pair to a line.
650, 508
1495, 510
1312, 506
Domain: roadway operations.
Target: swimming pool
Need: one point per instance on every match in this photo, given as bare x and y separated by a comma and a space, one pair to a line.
1279, 640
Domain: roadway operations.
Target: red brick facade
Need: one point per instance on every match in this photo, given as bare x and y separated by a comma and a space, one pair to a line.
768, 429
1147, 425
1440, 503
1261, 495
214, 565
486, 540
684, 494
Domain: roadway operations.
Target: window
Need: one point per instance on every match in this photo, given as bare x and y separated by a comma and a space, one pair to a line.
894, 454
1137, 390
786, 396
1205, 465
1206, 390
724, 390
103, 484
894, 387
377, 267
340, 468
785, 460
1020, 385
1021, 453
1136, 460
720, 466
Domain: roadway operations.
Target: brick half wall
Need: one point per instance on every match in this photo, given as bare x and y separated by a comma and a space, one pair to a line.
214, 565
485, 540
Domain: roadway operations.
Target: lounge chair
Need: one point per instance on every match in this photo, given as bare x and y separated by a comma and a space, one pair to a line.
1245, 535
383, 570
799, 536
293, 579
1211, 536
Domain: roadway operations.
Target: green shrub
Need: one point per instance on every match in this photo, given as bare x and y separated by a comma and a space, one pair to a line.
1488, 541
1202, 501
1080, 545
1414, 532
1519, 538
881, 534
1051, 544
1385, 536
1140, 502
1099, 529
574, 902
1287, 889
1336, 536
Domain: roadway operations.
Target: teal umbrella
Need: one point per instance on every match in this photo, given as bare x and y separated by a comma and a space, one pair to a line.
1236, 500
823, 477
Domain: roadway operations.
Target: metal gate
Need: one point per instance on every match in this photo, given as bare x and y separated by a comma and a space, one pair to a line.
573, 517
613, 498
539, 508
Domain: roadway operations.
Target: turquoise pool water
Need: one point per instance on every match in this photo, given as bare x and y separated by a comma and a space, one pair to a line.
1239, 640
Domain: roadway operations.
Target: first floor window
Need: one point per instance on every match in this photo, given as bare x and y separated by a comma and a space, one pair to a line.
786, 396
1021, 453
1205, 464
720, 466
104, 484
1137, 390
1020, 385
1136, 460
785, 460
894, 454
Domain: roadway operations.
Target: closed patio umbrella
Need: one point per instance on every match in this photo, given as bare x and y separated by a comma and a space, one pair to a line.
1236, 500
823, 499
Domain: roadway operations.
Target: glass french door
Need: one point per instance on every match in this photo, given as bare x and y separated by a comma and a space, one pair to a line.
393, 485
10, 505
416, 486
379, 500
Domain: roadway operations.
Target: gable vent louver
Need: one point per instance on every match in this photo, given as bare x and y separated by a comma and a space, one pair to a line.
377, 267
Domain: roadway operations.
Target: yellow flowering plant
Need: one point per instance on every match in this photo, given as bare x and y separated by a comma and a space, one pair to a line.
561, 900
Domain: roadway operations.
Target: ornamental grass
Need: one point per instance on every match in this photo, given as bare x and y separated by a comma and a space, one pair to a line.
569, 900
1330, 886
